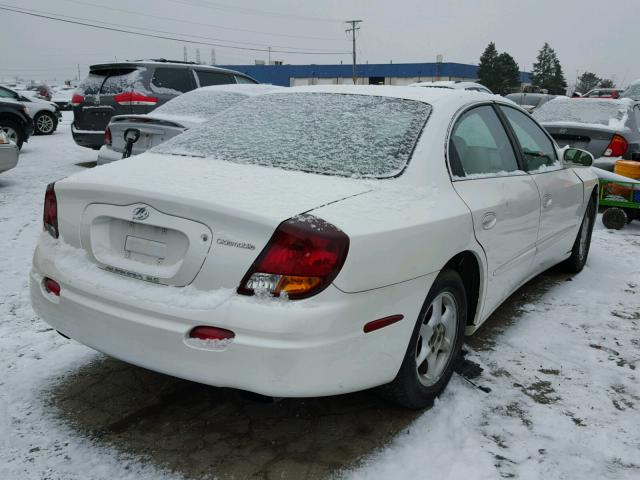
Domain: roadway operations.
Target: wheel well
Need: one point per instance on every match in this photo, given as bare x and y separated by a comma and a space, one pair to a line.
466, 264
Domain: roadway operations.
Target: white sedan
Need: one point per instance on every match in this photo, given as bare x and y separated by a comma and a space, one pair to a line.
314, 241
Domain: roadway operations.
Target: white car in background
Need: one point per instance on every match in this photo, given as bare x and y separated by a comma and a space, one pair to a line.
62, 96
314, 240
454, 85
172, 118
9, 153
45, 114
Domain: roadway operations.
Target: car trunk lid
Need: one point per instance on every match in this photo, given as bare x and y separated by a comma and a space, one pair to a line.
160, 218
593, 139
153, 131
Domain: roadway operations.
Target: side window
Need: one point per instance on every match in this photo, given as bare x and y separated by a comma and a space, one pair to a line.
538, 149
479, 145
214, 78
6, 93
240, 79
170, 80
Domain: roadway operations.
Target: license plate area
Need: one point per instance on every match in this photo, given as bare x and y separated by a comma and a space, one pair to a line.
166, 248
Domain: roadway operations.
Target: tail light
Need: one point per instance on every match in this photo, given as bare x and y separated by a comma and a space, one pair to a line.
50, 217
107, 136
76, 99
51, 286
302, 258
211, 333
617, 146
134, 98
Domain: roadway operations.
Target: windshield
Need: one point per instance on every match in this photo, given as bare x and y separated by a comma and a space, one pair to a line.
347, 135
610, 113
632, 92
200, 103
111, 81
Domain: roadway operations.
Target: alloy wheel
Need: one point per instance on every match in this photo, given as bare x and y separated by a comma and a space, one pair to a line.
11, 134
44, 123
436, 338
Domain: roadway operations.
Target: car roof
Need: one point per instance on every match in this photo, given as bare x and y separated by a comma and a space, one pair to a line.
136, 63
432, 96
244, 88
454, 84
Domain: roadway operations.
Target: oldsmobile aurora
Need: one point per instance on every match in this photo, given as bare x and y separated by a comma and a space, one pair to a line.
314, 241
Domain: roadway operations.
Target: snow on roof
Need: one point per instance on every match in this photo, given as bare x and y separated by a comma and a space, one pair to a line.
594, 112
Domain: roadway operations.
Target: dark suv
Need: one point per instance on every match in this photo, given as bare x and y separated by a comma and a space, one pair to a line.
15, 121
136, 87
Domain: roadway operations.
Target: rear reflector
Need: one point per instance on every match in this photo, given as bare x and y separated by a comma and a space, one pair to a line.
381, 323
617, 146
51, 286
50, 215
76, 99
211, 333
134, 98
107, 136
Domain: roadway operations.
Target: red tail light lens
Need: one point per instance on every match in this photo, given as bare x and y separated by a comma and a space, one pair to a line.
302, 258
211, 333
76, 99
51, 286
617, 147
107, 136
50, 217
134, 98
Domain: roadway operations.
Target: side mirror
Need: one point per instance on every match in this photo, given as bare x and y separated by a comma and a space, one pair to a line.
575, 157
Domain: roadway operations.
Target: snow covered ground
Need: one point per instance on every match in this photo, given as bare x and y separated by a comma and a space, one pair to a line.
559, 395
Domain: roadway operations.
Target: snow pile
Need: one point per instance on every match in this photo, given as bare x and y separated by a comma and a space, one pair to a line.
595, 113
346, 135
199, 104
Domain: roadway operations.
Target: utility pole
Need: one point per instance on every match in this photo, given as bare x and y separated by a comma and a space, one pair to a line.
184, 53
269, 61
353, 30
78, 72
197, 55
213, 56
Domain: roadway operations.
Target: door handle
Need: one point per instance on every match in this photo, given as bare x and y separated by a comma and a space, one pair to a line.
547, 201
489, 221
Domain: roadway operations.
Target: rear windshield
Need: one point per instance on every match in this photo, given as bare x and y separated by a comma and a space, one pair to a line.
336, 134
609, 113
200, 103
111, 81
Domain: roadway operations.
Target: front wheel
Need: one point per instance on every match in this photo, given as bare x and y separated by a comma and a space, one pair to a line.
14, 132
45, 123
435, 344
580, 251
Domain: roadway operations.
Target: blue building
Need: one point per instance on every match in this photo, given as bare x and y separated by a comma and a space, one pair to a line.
368, 74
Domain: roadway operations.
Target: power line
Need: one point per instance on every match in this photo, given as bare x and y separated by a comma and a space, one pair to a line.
253, 11
162, 37
190, 22
160, 31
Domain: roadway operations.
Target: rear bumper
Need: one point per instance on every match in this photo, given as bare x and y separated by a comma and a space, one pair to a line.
8, 156
108, 155
88, 138
307, 348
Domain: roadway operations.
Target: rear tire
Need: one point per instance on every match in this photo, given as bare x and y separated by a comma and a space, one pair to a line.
435, 344
45, 123
580, 251
614, 218
13, 131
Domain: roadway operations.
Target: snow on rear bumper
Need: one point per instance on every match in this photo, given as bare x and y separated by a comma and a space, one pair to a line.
289, 349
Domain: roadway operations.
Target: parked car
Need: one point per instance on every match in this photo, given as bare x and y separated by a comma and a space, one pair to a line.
454, 85
608, 129
136, 88
172, 118
62, 97
602, 93
530, 101
9, 153
41, 89
15, 121
315, 240
632, 91
45, 114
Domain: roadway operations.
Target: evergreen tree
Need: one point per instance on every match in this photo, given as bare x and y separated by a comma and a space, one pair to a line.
487, 68
509, 74
607, 83
547, 72
587, 81
498, 72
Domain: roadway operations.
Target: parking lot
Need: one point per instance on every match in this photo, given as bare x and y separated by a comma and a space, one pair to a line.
550, 388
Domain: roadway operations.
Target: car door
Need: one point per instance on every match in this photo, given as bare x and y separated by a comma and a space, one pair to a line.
504, 200
561, 191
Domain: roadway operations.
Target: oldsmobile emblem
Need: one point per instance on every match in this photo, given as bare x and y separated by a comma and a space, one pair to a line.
140, 213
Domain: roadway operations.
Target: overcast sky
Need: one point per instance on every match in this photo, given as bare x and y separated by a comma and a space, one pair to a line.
587, 34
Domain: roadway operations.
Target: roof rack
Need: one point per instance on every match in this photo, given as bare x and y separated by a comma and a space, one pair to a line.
164, 60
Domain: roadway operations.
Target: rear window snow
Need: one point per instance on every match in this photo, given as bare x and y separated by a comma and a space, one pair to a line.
112, 81
347, 135
608, 113
200, 103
